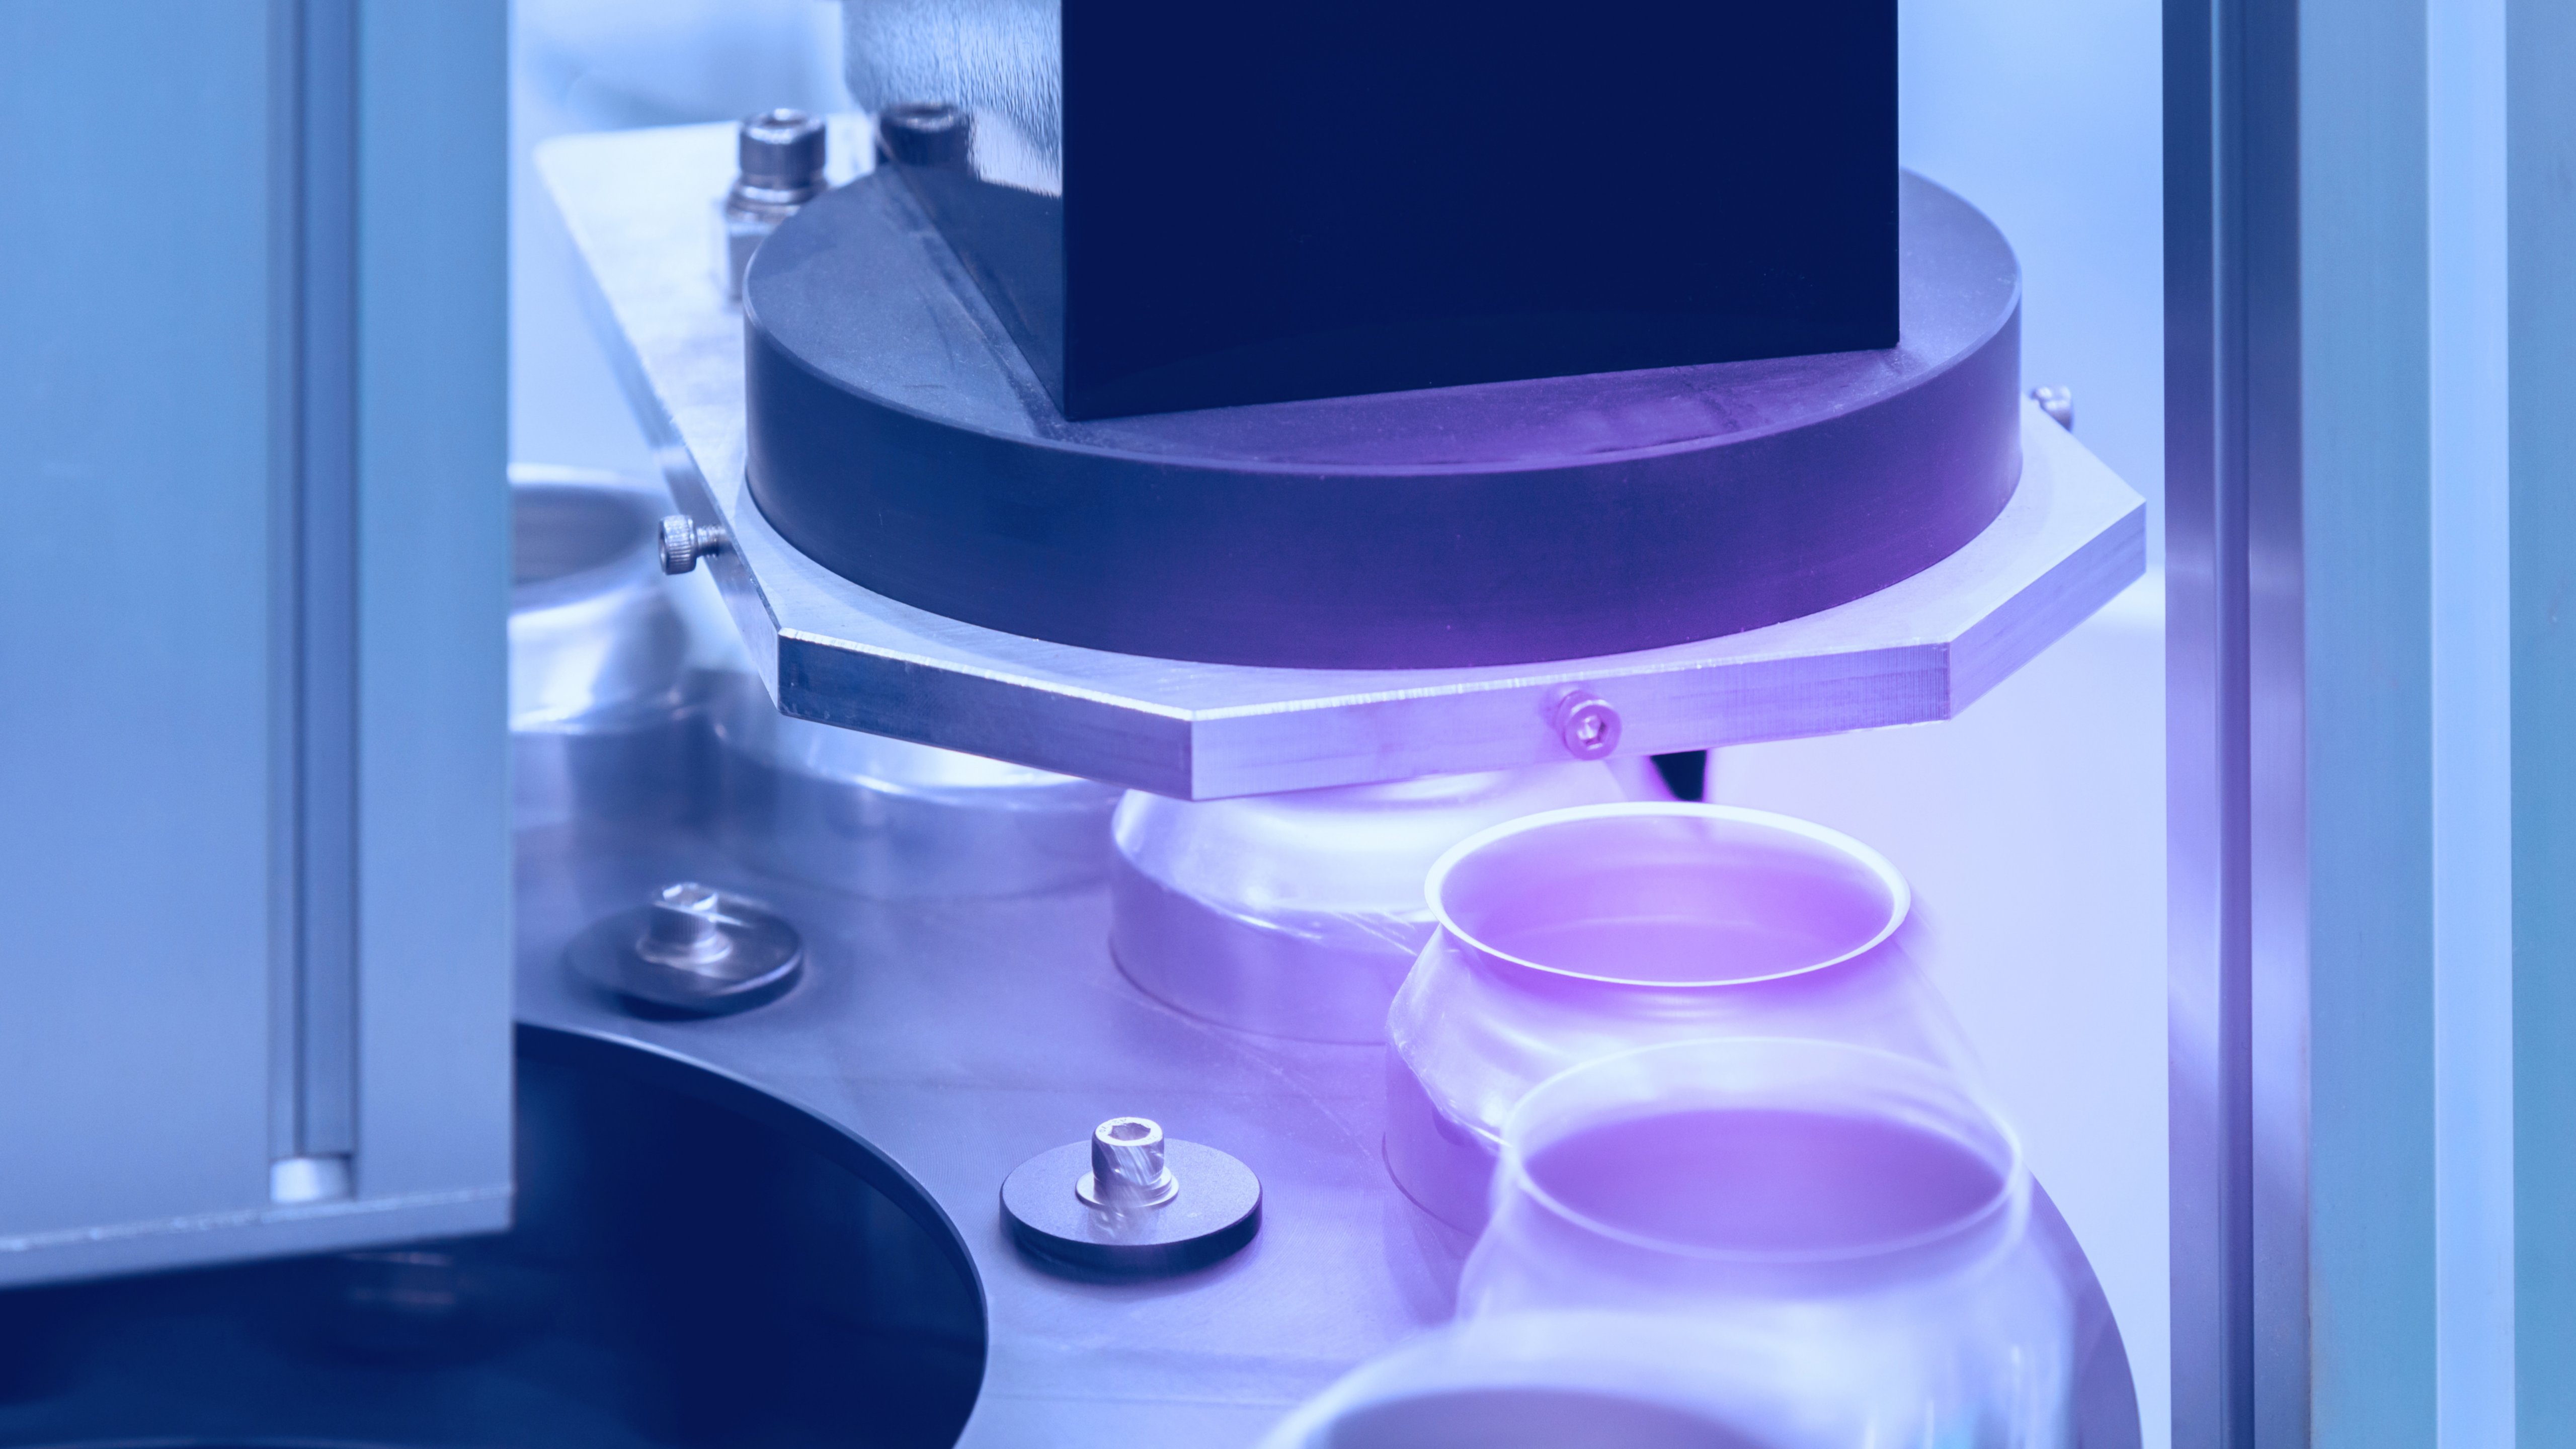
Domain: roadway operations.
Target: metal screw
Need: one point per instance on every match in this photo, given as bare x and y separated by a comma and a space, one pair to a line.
1587, 724
685, 541
781, 157
1127, 1216
2057, 402
691, 950
1127, 1168
780, 154
685, 929
928, 134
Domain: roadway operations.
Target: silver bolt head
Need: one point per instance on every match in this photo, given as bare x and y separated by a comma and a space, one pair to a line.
685, 541
1127, 1169
1587, 725
679, 544
691, 950
2057, 402
926, 134
781, 155
685, 928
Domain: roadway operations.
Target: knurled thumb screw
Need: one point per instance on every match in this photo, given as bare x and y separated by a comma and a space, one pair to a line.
685, 541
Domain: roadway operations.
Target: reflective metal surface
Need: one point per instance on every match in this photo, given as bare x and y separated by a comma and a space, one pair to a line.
691, 951
1147, 1207
781, 153
962, 1038
890, 818
1297, 915
1849, 1231
1584, 933
1541, 1381
1923, 649
608, 717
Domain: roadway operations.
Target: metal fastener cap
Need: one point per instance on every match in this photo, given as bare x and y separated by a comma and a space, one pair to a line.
691, 951
1127, 1168
1147, 1207
1587, 725
929, 134
685, 541
781, 152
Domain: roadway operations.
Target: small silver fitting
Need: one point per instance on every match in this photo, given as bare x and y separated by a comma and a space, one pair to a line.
780, 156
685, 928
1127, 1217
2057, 402
1127, 1170
685, 541
1587, 725
691, 950
926, 135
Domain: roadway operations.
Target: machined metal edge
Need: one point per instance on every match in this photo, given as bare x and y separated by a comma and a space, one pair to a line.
2071, 538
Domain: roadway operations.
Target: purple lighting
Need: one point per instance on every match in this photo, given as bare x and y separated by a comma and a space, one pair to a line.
1579, 934
1849, 1228
1765, 1180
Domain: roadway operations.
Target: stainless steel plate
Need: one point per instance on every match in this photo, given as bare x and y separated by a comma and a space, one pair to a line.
2072, 537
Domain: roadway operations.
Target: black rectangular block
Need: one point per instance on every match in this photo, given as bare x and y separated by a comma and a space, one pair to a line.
1256, 202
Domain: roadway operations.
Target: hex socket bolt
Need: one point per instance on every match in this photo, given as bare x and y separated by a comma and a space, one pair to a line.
780, 157
931, 134
1127, 1169
1587, 725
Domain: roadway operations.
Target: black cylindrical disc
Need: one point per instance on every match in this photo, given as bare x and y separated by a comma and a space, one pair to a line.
897, 437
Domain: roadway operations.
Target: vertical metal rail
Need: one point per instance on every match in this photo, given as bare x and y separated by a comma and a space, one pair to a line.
2210, 1105
2299, 723
261, 789
2472, 545
2540, 186
314, 1121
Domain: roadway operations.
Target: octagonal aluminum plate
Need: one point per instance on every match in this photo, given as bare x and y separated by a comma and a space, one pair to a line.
639, 206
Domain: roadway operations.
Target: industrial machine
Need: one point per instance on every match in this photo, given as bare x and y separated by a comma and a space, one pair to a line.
1194, 810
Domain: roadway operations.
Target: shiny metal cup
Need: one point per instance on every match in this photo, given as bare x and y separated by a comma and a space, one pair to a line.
894, 820
1582, 933
1297, 915
608, 710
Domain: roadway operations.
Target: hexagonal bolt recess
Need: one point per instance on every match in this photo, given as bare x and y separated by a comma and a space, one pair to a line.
1130, 1203
1127, 1167
1587, 725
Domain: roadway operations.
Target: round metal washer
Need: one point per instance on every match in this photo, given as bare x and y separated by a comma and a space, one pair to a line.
1216, 1212
764, 958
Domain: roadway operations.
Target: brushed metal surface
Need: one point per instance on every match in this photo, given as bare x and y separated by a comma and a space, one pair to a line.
888, 818
2072, 536
1299, 914
961, 1038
